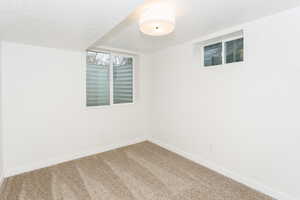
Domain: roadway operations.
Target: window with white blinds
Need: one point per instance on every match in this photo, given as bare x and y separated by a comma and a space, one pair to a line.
97, 79
122, 79
109, 79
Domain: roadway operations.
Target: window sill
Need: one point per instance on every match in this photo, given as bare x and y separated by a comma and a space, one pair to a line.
111, 106
223, 65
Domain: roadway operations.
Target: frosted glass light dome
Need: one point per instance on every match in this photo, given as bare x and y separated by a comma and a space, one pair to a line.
157, 20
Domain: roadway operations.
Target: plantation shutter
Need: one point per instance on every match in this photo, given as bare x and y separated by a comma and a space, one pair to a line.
122, 79
97, 79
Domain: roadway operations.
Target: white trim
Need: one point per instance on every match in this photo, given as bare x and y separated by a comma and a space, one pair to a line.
1, 180
220, 34
68, 157
226, 172
110, 81
223, 53
233, 38
110, 49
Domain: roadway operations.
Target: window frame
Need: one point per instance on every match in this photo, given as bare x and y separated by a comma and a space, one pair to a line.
223, 41
111, 80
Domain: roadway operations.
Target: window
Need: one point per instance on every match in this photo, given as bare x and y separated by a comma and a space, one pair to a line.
213, 54
234, 50
224, 51
109, 79
97, 79
122, 68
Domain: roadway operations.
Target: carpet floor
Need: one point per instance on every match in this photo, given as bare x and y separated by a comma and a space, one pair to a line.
142, 171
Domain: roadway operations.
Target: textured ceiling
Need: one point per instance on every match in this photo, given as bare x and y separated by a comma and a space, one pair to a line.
68, 24
194, 18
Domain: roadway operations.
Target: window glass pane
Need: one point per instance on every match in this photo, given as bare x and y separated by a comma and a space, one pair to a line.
213, 54
234, 50
122, 79
97, 79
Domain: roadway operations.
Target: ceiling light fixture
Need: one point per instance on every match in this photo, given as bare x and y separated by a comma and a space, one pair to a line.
157, 20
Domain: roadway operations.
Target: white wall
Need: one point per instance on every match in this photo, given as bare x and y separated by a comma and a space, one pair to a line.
242, 118
45, 120
1, 141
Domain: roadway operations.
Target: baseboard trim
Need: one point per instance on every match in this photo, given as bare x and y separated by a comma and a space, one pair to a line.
1, 181
228, 173
69, 157
99, 149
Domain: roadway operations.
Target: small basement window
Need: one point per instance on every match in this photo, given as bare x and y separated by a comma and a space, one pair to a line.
223, 50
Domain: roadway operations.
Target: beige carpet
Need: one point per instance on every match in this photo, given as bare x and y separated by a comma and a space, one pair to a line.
142, 171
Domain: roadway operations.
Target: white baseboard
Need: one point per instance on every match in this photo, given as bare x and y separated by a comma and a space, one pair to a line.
228, 173
1, 181
69, 157
244, 180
